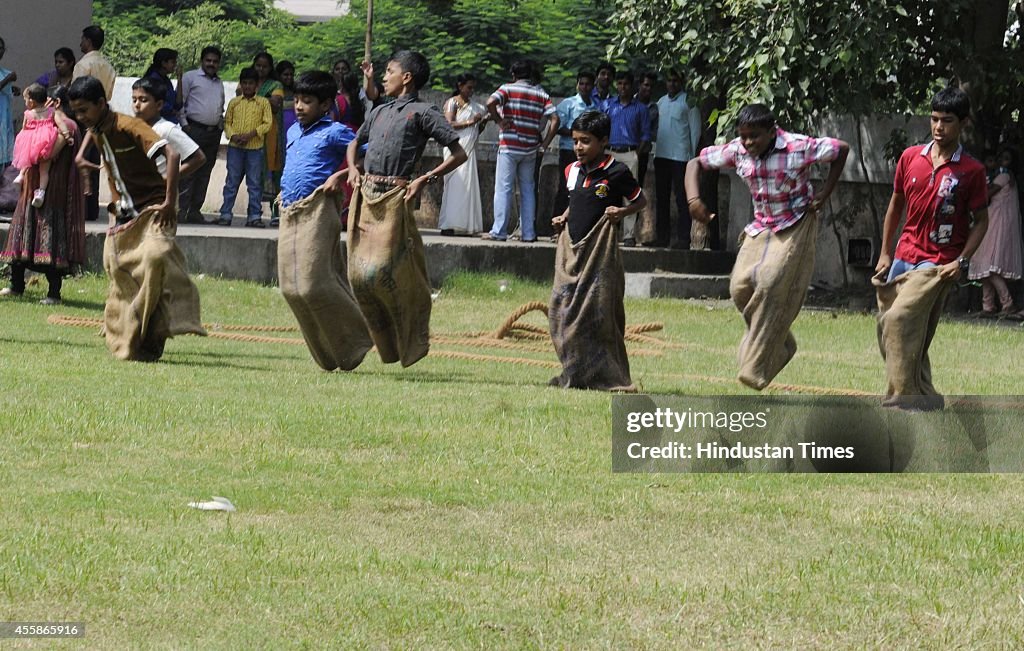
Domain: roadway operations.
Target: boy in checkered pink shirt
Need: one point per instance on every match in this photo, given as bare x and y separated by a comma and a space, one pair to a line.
776, 258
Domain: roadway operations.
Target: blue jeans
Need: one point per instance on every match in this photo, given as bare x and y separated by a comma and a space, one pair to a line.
250, 163
512, 166
900, 267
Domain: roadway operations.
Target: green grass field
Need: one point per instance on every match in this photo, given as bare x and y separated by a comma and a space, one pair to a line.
464, 504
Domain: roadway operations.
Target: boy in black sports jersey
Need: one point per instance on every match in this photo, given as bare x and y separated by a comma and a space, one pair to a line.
587, 318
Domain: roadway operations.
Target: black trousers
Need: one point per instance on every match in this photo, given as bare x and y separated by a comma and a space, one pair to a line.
192, 190
668, 182
53, 277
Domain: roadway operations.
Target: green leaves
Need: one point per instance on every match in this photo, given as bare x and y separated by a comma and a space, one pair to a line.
808, 57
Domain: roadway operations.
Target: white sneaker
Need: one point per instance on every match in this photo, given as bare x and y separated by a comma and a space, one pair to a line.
17, 179
37, 198
50, 301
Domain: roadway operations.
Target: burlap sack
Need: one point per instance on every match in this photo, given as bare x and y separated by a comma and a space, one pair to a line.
151, 296
389, 274
908, 314
311, 273
768, 285
586, 316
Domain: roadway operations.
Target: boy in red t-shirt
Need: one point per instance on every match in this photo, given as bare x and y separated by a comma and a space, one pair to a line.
944, 193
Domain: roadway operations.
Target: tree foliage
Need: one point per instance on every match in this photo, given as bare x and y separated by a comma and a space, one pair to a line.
478, 36
806, 57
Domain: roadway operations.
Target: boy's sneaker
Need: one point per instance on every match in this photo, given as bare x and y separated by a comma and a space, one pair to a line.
18, 178
275, 222
37, 198
224, 221
49, 300
255, 223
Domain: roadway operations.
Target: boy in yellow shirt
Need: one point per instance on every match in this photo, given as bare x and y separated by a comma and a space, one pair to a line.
247, 121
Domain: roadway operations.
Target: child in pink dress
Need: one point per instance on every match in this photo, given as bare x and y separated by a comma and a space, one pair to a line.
39, 140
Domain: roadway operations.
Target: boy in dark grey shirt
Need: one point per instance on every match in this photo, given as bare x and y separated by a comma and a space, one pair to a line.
397, 132
386, 265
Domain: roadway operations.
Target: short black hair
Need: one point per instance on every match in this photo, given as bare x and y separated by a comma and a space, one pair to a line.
36, 93
154, 87
653, 76
95, 35
284, 65
625, 75
248, 74
342, 60
606, 65
522, 69
596, 123
756, 115
463, 78
65, 53
952, 100
585, 74
317, 83
415, 64
60, 94
164, 54
87, 88
211, 49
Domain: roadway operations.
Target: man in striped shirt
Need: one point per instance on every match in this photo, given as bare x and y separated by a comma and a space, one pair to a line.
523, 108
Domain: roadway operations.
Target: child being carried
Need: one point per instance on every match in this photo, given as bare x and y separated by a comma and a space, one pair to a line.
40, 139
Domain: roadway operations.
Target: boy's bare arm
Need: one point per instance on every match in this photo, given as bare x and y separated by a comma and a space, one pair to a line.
457, 158
369, 86
80, 160
834, 170
192, 163
616, 213
167, 213
893, 214
354, 174
698, 210
558, 223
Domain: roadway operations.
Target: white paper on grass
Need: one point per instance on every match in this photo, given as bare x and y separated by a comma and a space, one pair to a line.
216, 504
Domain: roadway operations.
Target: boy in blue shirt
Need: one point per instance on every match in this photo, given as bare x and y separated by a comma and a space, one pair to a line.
310, 269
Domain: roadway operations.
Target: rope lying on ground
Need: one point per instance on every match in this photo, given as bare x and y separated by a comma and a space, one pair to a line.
511, 335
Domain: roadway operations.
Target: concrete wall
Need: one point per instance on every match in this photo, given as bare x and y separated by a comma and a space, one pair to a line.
33, 29
849, 216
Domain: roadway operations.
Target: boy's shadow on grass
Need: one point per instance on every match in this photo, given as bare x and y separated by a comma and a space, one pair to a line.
434, 377
49, 343
84, 305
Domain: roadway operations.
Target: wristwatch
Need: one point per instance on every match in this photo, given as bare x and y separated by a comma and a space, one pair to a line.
964, 262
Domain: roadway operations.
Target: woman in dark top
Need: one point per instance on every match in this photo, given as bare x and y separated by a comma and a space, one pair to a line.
63, 67
165, 63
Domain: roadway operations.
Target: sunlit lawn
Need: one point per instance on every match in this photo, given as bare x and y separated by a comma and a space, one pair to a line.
463, 503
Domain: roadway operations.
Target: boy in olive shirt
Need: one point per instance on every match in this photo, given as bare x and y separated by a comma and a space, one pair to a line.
151, 297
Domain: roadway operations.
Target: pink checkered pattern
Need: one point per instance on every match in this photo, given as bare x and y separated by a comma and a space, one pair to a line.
779, 181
